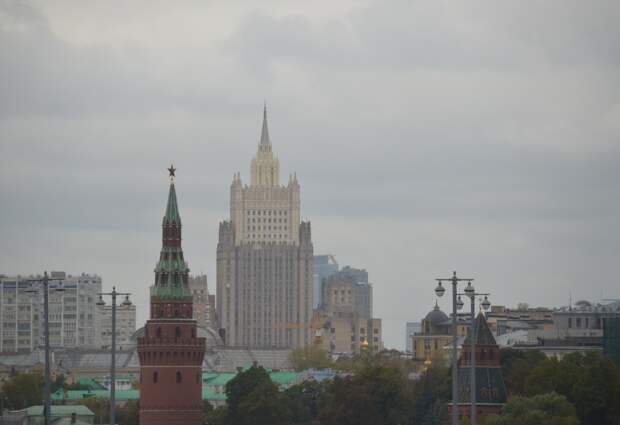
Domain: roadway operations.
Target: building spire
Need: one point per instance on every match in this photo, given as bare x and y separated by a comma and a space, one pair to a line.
172, 210
264, 135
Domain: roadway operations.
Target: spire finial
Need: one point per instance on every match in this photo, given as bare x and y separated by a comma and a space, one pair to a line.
264, 135
171, 170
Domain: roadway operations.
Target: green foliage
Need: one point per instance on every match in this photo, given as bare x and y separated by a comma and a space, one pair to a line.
253, 399
310, 357
217, 416
128, 413
548, 409
100, 407
589, 381
375, 396
305, 401
430, 394
23, 390
516, 365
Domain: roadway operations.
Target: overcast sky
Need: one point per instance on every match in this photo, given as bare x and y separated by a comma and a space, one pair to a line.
482, 137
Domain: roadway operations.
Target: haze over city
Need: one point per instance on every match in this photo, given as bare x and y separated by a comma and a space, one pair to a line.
426, 137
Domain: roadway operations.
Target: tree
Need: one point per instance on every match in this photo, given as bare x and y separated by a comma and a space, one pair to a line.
306, 400
375, 396
23, 390
217, 416
430, 393
589, 381
310, 357
253, 399
128, 413
516, 366
100, 407
548, 409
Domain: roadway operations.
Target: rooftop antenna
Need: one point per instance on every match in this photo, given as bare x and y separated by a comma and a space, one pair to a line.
570, 301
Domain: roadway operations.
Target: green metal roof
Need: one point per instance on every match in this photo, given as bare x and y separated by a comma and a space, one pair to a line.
172, 210
284, 378
75, 395
221, 379
91, 384
60, 410
67, 421
208, 394
484, 336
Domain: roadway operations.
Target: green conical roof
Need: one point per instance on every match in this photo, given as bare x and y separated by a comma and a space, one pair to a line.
484, 336
172, 210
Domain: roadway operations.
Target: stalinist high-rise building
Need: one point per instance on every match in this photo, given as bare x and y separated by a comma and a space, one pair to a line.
264, 259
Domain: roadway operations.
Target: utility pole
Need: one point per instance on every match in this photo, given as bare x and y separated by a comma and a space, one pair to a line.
47, 404
101, 303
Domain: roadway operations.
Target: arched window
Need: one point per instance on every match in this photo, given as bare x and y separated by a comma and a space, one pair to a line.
155, 377
158, 332
193, 333
179, 376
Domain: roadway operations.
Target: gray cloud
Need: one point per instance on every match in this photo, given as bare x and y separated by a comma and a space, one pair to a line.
427, 137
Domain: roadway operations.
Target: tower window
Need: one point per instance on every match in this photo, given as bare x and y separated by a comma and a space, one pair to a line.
179, 376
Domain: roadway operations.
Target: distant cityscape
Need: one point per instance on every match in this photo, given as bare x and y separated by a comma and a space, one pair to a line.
274, 297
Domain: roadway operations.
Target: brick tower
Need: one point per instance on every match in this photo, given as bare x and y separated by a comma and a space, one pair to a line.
490, 388
170, 353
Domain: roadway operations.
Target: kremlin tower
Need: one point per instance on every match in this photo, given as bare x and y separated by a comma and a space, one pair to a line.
170, 354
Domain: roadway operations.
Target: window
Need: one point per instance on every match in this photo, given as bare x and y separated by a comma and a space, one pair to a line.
158, 332
198, 378
155, 377
579, 322
570, 322
179, 377
177, 332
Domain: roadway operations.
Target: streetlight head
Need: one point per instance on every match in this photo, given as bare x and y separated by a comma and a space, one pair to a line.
459, 303
126, 301
100, 302
440, 290
470, 290
486, 303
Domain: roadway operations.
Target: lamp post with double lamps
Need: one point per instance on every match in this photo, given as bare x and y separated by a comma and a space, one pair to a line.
125, 303
485, 304
44, 281
440, 290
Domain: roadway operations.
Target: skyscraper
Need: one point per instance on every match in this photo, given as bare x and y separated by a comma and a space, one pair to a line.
264, 259
324, 266
170, 354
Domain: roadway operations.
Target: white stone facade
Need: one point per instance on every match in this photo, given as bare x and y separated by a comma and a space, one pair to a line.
265, 260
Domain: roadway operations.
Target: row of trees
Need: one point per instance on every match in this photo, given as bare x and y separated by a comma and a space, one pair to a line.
376, 390
579, 389
590, 382
374, 395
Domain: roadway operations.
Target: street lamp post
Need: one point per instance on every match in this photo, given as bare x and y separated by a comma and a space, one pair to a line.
126, 302
440, 290
47, 404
